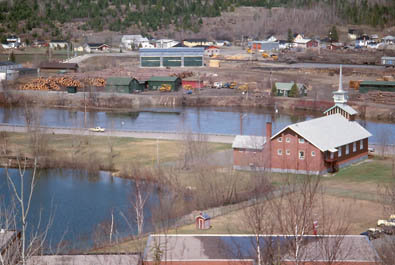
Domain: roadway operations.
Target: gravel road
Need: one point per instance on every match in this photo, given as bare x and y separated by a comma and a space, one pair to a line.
214, 138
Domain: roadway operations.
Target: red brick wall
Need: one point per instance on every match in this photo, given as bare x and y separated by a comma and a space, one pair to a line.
331, 262
292, 161
344, 158
245, 157
211, 262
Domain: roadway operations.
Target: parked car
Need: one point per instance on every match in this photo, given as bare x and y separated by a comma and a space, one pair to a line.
97, 129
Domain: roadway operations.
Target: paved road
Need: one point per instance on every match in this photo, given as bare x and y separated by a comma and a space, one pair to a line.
214, 138
319, 65
84, 57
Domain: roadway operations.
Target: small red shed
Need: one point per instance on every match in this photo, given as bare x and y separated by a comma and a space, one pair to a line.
203, 221
192, 82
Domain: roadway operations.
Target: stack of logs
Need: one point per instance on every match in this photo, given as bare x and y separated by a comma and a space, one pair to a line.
56, 83
379, 97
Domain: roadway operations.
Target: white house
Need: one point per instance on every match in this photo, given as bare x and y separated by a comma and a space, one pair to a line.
221, 43
362, 41
165, 43
96, 47
137, 41
300, 41
389, 39
58, 44
271, 39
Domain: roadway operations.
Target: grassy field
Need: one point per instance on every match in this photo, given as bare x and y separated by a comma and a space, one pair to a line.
352, 190
100, 150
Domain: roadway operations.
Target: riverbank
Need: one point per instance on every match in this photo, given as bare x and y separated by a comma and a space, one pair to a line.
110, 101
89, 152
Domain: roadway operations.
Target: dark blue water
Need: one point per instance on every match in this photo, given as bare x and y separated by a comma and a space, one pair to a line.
79, 202
220, 120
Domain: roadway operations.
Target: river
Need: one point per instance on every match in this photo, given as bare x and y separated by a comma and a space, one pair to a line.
79, 202
215, 120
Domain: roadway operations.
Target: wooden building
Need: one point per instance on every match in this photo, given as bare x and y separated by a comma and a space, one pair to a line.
155, 82
58, 66
96, 47
366, 86
122, 85
192, 82
202, 221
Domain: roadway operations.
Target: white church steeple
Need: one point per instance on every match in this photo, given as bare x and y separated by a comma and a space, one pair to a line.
340, 96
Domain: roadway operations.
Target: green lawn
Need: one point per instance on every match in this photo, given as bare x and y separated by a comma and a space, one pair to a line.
97, 149
372, 170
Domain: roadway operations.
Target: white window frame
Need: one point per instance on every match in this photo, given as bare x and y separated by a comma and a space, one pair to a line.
301, 157
280, 139
288, 152
354, 146
339, 152
280, 152
312, 153
288, 140
347, 149
301, 140
360, 144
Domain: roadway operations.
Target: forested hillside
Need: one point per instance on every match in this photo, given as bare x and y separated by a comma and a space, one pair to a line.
45, 17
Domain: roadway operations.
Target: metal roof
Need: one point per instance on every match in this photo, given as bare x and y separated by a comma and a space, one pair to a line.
233, 247
344, 107
197, 51
110, 259
249, 142
377, 83
118, 81
287, 86
163, 78
7, 63
56, 65
6, 236
329, 132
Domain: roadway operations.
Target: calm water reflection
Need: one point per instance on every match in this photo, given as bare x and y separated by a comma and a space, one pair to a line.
79, 202
221, 120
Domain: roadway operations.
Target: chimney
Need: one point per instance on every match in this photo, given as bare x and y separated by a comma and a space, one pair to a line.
268, 131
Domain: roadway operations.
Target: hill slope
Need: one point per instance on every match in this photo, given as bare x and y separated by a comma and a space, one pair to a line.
46, 18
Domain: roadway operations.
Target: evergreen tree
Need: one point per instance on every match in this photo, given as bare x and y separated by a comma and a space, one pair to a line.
12, 57
294, 92
290, 36
274, 90
333, 36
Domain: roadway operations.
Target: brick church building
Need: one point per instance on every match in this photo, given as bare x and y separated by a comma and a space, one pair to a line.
314, 146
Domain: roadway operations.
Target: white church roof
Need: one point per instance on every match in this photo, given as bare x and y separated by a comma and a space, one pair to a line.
329, 132
249, 142
344, 107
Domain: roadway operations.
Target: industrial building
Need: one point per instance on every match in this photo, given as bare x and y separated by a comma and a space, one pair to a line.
122, 85
172, 57
155, 82
366, 86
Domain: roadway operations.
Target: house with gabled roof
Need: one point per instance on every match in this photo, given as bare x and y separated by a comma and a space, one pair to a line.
315, 146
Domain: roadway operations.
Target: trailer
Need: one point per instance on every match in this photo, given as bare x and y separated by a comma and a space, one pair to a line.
388, 61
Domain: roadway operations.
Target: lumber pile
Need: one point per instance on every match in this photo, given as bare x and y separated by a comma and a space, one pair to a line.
57, 83
379, 97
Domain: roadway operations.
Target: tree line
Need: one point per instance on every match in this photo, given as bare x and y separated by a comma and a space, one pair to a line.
23, 16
